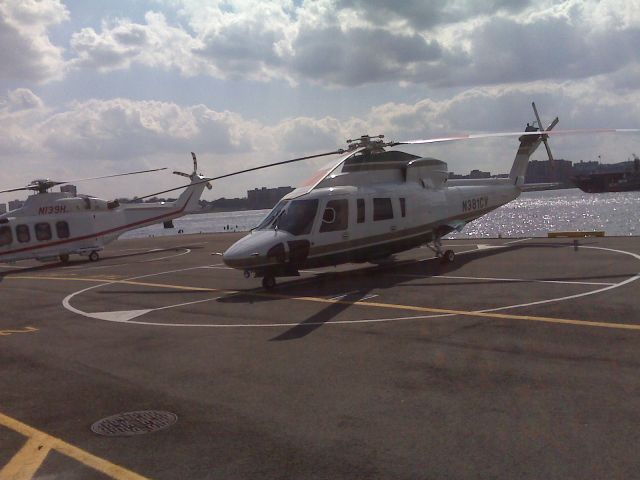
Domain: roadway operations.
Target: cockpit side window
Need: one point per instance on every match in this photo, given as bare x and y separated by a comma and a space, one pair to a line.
298, 218
335, 216
6, 237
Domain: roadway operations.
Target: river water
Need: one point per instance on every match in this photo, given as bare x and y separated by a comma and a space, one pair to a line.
533, 214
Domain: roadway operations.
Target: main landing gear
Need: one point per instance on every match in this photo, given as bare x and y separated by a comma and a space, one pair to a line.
446, 256
268, 282
268, 279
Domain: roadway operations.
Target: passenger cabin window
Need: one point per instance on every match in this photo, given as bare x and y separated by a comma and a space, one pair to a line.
22, 233
43, 231
6, 237
403, 207
382, 209
62, 229
361, 210
298, 218
335, 216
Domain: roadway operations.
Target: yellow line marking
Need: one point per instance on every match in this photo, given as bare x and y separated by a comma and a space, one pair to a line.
24, 330
506, 316
110, 469
26, 462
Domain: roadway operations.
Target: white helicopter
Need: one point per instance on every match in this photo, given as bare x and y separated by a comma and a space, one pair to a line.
372, 203
53, 225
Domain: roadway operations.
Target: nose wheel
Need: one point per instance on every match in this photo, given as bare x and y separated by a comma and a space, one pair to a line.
268, 282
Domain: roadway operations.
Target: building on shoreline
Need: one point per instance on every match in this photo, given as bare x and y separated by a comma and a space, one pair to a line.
262, 198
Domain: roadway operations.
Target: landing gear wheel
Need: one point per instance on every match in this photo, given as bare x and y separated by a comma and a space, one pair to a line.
268, 282
93, 256
448, 256
64, 258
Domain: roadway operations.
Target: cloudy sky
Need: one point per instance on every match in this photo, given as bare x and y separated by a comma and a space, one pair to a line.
93, 88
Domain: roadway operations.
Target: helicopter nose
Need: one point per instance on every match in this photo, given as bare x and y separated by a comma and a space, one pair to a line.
249, 251
239, 256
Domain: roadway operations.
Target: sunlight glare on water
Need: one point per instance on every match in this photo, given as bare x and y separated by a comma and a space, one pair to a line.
534, 214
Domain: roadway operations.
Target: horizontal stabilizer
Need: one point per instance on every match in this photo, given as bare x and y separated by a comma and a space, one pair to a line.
536, 187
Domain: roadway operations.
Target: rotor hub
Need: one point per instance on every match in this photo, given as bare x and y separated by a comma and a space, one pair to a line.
375, 144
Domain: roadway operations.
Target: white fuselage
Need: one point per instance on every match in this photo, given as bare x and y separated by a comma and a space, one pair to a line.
373, 222
370, 204
51, 225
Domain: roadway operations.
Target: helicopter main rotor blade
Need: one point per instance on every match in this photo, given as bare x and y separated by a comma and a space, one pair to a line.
210, 179
111, 176
50, 183
15, 189
514, 134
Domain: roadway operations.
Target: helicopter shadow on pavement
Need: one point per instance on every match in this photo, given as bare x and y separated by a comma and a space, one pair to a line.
379, 277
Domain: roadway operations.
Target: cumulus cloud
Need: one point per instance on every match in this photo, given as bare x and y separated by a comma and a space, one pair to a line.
126, 129
353, 42
122, 43
27, 53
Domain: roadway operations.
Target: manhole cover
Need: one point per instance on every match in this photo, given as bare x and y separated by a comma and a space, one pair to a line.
134, 423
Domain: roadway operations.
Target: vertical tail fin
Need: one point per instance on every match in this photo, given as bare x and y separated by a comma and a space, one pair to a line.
528, 145
189, 200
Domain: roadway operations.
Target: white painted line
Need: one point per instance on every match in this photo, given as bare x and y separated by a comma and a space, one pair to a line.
486, 246
67, 305
186, 251
360, 299
100, 267
578, 295
517, 241
524, 280
120, 315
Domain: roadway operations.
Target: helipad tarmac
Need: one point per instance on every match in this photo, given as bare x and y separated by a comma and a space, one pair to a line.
519, 360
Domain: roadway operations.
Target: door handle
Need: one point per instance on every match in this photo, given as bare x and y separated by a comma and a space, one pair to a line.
393, 228
345, 235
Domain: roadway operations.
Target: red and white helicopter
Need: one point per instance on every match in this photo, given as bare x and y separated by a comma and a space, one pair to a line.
373, 202
53, 225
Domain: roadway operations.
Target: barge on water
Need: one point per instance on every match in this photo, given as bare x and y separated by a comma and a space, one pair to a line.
610, 181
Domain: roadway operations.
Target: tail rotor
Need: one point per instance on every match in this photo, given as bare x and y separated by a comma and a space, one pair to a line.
194, 176
542, 129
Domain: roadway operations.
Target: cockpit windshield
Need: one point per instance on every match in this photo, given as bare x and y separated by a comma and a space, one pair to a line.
268, 220
295, 217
